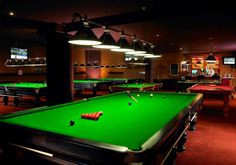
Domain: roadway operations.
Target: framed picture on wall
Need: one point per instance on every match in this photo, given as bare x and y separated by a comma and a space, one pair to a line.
174, 69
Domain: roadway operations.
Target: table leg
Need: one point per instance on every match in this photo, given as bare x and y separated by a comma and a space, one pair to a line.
16, 101
5, 100
94, 92
181, 144
37, 100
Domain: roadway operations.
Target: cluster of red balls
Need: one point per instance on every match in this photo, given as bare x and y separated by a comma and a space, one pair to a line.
92, 116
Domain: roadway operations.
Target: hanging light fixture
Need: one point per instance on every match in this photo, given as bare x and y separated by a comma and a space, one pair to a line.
135, 45
85, 36
153, 53
211, 58
107, 40
147, 49
123, 44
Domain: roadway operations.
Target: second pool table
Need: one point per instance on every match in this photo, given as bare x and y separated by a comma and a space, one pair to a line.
16, 90
92, 84
137, 87
213, 91
135, 127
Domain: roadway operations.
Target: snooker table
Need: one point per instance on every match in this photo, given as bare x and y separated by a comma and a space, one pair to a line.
137, 87
142, 132
214, 92
122, 80
181, 86
20, 89
91, 84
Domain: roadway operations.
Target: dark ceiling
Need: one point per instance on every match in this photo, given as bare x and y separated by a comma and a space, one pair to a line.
174, 26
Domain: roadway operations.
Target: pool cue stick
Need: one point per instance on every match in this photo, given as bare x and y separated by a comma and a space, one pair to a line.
132, 97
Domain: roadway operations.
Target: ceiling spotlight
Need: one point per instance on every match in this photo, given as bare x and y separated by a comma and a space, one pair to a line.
11, 13
85, 36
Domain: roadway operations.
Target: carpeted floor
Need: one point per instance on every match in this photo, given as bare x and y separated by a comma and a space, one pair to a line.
214, 140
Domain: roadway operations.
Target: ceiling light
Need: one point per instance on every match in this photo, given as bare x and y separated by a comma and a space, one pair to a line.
11, 13
211, 58
123, 44
152, 56
138, 49
85, 36
148, 50
107, 40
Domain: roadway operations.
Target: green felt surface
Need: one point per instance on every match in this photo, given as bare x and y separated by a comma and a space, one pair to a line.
87, 81
25, 85
121, 124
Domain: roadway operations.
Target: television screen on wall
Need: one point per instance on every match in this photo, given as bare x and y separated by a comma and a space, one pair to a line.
229, 60
18, 53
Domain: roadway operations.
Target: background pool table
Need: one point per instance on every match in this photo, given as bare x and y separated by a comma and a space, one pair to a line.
122, 80
16, 90
213, 91
127, 132
137, 87
181, 86
92, 84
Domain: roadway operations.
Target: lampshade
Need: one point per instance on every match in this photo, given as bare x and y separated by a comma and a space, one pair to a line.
123, 44
138, 49
88, 64
148, 50
210, 58
152, 56
118, 66
85, 36
95, 65
153, 52
107, 40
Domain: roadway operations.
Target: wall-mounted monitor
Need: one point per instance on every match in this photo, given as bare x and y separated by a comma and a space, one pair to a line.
229, 60
18, 53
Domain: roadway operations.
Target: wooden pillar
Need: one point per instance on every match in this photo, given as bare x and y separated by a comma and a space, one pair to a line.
59, 69
148, 71
93, 56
